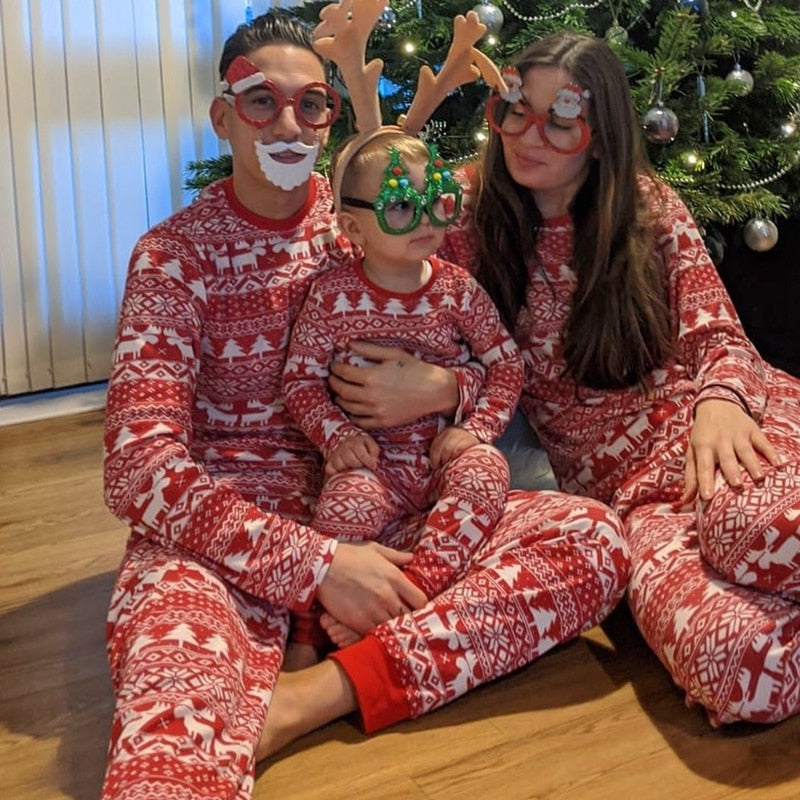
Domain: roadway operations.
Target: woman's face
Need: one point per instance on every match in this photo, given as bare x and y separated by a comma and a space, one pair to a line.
553, 178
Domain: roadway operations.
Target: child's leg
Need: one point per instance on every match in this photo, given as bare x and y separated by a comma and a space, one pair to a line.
354, 506
472, 490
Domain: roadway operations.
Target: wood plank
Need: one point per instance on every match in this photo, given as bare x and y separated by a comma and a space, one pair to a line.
598, 719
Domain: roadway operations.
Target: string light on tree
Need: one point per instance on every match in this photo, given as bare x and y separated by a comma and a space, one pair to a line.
789, 127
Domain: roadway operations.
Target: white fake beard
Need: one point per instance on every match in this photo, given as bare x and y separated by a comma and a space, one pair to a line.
287, 176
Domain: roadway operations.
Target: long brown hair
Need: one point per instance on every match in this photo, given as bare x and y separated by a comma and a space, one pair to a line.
618, 329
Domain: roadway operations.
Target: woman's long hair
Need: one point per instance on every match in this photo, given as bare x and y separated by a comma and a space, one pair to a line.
618, 329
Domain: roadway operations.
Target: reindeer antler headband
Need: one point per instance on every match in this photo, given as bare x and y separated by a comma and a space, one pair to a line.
342, 37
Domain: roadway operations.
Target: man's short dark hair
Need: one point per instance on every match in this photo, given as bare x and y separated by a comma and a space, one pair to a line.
274, 27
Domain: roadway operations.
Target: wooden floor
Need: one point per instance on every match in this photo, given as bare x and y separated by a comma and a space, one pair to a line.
598, 718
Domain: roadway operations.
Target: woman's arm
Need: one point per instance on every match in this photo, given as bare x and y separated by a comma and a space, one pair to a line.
727, 371
399, 388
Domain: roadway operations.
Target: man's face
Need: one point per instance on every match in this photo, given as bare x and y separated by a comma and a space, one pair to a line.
284, 150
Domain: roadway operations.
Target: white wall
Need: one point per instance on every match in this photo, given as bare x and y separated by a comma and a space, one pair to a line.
102, 104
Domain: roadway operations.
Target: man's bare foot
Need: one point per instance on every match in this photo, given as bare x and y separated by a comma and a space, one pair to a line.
299, 656
338, 632
304, 701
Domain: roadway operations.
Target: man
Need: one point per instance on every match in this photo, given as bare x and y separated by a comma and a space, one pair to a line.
207, 468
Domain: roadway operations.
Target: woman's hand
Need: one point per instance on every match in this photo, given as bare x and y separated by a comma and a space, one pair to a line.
397, 389
724, 434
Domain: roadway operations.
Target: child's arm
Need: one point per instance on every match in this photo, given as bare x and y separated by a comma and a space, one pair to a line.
305, 378
353, 452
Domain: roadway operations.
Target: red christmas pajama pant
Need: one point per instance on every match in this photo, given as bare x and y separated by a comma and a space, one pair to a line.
716, 591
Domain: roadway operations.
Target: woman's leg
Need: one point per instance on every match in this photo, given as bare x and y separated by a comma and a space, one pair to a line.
555, 566
733, 649
193, 665
752, 536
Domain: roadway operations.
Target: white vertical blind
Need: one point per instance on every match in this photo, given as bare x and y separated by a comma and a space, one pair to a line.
102, 104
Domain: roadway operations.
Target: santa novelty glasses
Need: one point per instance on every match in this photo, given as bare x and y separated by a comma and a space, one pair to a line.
259, 101
562, 127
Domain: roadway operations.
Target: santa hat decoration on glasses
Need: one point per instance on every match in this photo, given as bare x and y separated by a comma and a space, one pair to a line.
259, 101
342, 37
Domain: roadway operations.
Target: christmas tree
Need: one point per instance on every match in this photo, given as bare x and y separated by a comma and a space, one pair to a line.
716, 84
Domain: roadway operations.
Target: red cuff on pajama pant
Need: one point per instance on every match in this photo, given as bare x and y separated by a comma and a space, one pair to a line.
380, 695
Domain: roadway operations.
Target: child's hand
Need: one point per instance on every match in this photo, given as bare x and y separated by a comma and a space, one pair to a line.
353, 452
724, 435
451, 442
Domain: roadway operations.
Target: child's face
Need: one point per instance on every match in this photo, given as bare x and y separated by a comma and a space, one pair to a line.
386, 248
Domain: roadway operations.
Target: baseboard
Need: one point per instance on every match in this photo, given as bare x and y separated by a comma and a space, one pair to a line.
55, 403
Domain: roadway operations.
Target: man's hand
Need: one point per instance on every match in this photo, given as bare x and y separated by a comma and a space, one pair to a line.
397, 389
723, 434
451, 442
365, 586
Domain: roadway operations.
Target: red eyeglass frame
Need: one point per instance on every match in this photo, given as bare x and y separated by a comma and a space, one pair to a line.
532, 118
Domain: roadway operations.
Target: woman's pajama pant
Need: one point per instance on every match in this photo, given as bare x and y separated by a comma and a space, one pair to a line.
716, 590
194, 661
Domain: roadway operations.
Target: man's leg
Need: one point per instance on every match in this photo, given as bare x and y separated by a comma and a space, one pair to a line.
193, 665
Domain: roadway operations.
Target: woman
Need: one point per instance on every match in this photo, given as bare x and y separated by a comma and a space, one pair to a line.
640, 381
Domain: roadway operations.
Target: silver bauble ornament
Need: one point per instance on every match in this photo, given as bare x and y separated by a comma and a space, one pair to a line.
742, 78
617, 36
387, 20
760, 234
692, 161
660, 124
490, 15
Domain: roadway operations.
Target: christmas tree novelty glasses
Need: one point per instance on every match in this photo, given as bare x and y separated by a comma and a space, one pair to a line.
259, 101
399, 205
562, 127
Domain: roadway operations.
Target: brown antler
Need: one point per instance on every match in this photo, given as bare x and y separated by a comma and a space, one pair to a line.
342, 37
463, 64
